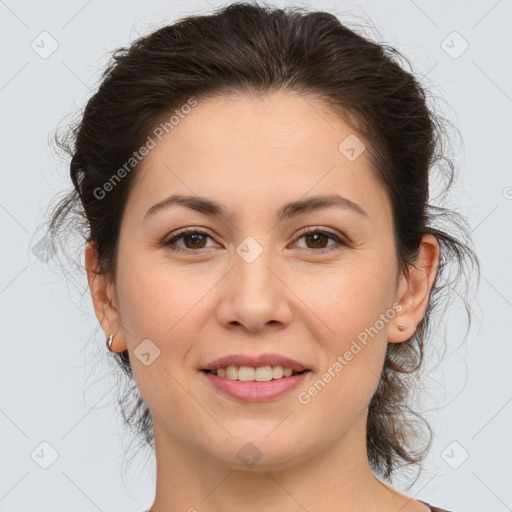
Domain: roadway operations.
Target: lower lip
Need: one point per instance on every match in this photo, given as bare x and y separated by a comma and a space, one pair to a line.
255, 391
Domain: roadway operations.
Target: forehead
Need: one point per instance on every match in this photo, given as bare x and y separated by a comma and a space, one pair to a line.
267, 150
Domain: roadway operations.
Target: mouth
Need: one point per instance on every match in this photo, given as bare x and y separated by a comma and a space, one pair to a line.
255, 384
255, 378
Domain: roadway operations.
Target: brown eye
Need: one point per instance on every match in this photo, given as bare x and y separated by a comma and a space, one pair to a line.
317, 240
192, 240
196, 240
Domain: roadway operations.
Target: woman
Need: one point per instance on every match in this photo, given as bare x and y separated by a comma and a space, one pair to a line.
262, 258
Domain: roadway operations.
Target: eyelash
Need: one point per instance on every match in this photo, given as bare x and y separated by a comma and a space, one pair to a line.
308, 231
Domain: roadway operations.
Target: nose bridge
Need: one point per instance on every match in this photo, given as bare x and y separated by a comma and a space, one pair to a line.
253, 275
255, 295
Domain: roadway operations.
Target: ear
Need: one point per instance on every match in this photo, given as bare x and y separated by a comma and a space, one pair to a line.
103, 298
413, 291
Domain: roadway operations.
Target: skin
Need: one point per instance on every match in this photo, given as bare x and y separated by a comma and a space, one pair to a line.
252, 155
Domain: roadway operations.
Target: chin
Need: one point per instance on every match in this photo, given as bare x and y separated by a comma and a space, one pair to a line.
260, 453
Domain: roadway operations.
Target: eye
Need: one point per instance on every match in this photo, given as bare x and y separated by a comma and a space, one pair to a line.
318, 237
193, 239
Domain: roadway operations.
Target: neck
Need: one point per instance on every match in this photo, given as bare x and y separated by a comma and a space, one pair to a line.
330, 477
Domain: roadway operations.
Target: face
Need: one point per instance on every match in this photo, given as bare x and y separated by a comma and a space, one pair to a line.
311, 284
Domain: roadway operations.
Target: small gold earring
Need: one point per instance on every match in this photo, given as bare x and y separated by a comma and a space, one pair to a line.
401, 327
109, 342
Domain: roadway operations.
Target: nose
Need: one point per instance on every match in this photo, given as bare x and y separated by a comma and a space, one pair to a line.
255, 295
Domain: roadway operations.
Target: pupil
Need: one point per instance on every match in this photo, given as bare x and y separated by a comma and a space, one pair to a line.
194, 236
315, 236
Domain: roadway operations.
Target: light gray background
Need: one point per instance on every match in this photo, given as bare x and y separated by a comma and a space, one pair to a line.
56, 385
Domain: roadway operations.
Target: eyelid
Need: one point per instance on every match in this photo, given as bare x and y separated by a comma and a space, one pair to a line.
321, 229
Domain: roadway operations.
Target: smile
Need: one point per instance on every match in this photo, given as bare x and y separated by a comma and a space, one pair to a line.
242, 382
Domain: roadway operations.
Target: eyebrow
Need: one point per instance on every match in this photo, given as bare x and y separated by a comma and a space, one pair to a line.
209, 207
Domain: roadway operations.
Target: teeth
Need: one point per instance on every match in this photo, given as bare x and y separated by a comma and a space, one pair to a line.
232, 372
250, 374
246, 373
263, 374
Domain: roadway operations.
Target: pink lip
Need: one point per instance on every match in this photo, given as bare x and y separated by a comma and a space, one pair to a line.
255, 391
255, 362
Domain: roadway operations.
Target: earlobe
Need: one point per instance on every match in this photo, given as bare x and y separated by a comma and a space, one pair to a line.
413, 292
103, 298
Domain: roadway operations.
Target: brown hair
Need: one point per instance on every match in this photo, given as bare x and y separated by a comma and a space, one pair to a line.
249, 49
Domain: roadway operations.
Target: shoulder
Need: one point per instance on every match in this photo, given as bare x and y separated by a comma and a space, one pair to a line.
433, 508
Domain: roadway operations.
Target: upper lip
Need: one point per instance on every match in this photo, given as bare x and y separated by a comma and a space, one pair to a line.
255, 361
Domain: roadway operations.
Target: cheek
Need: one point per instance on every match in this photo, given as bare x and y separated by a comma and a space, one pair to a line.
351, 297
158, 305
352, 307
335, 399
153, 296
354, 302
165, 305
